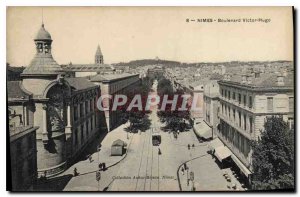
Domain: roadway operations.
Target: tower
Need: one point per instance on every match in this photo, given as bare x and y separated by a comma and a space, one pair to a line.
99, 56
43, 78
43, 63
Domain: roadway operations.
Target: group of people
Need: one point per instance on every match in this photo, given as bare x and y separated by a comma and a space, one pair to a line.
102, 166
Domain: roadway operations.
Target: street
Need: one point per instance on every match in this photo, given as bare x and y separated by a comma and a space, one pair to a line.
143, 169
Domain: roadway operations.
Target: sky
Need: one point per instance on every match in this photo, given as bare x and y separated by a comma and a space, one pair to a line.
130, 33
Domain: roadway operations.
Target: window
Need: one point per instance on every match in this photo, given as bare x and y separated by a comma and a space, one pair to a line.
82, 136
233, 95
86, 107
251, 124
240, 119
229, 95
245, 122
245, 100
81, 110
240, 98
233, 112
229, 112
250, 101
92, 124
75, 112
270, 104
291, 104
76, 137
291, 123
92, 105
222, 108
225, 93
87, 127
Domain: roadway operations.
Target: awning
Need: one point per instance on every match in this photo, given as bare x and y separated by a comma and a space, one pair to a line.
215, 143
202, 130
222, 152
241, 166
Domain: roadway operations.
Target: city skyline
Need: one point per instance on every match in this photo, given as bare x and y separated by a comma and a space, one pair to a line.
121, 42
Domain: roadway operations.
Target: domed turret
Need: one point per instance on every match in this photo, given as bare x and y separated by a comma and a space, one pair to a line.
43, 63
43, 34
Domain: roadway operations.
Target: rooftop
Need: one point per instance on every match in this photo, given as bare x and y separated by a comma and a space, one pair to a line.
264, 80
80, 83
15, 91
16, 132
43, 64
43, 34
88, 67
109, 77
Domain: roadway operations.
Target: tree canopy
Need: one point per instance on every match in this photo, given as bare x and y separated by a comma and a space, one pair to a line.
273, 156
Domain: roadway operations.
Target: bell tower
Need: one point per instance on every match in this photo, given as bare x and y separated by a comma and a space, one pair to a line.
43, 41
99, 56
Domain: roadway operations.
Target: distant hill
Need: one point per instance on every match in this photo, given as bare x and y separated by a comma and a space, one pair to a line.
145, 62
169, 63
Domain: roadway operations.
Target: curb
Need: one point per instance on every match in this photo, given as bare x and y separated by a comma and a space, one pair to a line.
178, 169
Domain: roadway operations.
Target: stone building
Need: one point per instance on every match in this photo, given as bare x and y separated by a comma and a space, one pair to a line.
245, 102
211, 104
13, 73
112, 84
63, 108
23, 160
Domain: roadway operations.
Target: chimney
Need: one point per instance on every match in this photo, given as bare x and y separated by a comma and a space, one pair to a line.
244, 78
227, 77
280, 81
257, 75
249, 79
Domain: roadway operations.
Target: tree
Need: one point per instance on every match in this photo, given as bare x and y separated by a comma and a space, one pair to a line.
138, 119
173, 119
273, 156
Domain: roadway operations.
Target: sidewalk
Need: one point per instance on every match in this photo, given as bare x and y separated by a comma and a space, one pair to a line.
207, 175
86, 180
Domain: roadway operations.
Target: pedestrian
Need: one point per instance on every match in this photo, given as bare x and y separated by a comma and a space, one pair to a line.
100, 166
185, 166
193, 146
75, 171
103, 166
90, 158
189, 146
182, 170
159, 151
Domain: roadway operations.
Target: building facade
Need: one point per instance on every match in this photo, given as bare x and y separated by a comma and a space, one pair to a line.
62, 108
23, 157
211, 104
111, 85
13, 73
245, 102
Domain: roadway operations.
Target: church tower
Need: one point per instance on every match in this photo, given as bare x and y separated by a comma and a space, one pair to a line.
99, 56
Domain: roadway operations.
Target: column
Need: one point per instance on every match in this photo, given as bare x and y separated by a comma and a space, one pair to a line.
24, 115
68, 115
68, 129
45, 131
